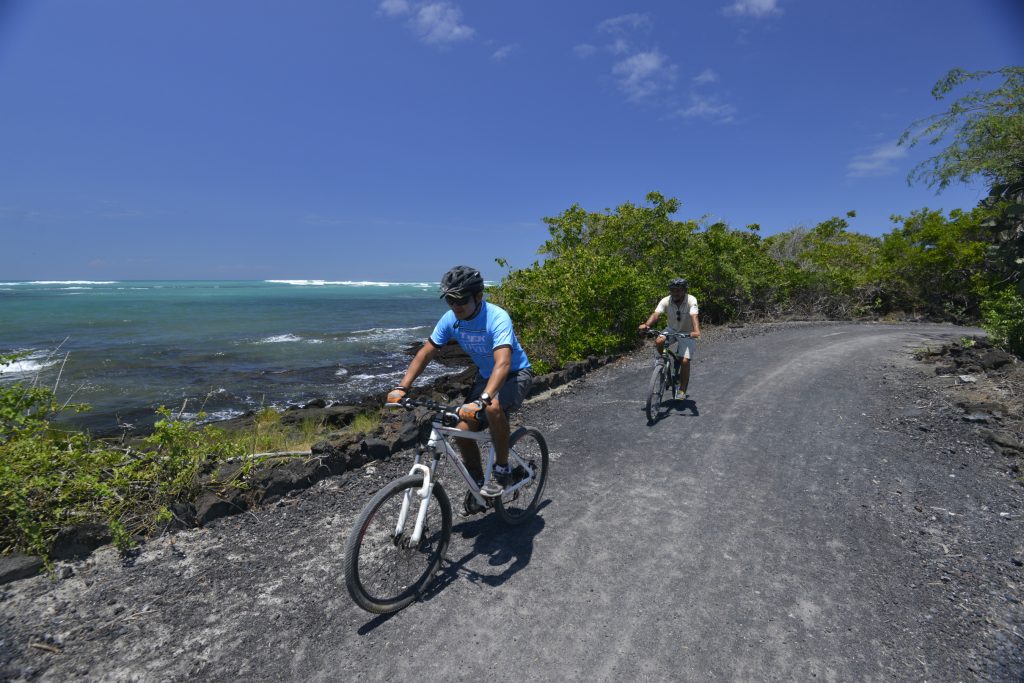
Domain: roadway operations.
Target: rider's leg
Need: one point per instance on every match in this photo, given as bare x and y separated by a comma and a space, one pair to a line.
470, 451
687, 349
509, 398
498, 422
660, 344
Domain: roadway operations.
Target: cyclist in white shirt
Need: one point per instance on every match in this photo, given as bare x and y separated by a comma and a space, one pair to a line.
681, 308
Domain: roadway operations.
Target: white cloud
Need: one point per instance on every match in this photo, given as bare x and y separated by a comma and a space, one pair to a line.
708, 108
752, 8
503, 52
626, 22
440, 22
705, 76
435, 23
644, 74
879, 161
618, 46
584, 50
621, 27
394, 8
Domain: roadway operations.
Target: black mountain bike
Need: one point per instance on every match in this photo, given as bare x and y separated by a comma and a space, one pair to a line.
665, 378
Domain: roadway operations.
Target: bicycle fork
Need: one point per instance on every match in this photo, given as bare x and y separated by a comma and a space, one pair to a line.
421, 512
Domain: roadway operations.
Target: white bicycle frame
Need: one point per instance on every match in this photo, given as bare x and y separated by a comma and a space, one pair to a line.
439, 444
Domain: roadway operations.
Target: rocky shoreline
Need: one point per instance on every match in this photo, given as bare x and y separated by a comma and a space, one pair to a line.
337, 453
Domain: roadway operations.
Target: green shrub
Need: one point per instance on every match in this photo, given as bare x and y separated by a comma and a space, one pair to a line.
1004, 320
51, 479
47, 484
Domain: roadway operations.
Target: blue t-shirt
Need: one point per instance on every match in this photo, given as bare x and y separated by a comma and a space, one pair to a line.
490, 328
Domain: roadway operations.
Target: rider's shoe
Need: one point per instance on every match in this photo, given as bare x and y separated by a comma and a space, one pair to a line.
500, 478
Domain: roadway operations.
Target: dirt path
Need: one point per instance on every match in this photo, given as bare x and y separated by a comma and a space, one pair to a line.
817, 508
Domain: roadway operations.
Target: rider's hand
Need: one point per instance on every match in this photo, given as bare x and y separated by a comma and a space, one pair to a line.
644, 326
397, 394
471, 411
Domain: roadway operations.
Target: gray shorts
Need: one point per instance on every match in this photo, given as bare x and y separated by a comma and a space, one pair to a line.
686, 348
510, 396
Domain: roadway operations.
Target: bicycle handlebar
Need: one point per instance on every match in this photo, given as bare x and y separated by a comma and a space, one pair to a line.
447, 415
667, 333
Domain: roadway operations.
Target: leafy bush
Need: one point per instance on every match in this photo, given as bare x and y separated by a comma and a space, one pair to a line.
52, 479
603, 274
1004, 320
47, 484
934, 265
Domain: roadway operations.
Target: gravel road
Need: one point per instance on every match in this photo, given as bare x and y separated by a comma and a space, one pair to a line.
813, 510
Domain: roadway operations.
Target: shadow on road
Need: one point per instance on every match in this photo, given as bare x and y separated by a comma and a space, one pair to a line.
677, 406
506, 546
509, 547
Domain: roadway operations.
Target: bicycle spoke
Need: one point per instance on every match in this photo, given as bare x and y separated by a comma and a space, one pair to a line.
384, 570
528, 454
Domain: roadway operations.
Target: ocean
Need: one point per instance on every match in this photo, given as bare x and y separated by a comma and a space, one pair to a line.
221, 347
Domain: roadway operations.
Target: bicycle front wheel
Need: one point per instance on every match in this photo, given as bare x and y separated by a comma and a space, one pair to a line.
384, 570
528, 453
655, 392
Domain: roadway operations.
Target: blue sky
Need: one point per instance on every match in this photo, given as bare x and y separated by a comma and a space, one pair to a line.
389, 140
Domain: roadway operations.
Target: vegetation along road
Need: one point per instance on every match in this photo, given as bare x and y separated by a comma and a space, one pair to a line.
812, 511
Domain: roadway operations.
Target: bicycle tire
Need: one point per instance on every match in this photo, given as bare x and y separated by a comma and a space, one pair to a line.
655, 392
516, 507
383, 574
673, 381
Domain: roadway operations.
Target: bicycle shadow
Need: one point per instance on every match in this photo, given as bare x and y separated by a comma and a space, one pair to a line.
679, 406
510, 547
505, 545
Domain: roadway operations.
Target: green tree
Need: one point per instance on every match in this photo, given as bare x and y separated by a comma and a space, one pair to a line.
601, 276
934, 266
826, 271
989, 132
988, 142
734, 273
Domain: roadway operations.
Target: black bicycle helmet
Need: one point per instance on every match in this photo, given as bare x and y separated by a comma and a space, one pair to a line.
461, 281
679, 282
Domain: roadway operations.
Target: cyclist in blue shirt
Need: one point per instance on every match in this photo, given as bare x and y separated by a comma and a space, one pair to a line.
484, 331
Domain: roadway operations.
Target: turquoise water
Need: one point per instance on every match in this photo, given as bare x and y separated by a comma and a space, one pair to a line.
223, 346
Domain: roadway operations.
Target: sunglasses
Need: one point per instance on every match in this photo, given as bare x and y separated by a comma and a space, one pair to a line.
456, 300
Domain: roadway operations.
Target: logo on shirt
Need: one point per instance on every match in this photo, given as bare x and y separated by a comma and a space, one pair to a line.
473, 342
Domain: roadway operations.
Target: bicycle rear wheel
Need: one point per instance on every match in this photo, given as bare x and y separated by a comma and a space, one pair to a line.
655, 392
383, 571
527, 452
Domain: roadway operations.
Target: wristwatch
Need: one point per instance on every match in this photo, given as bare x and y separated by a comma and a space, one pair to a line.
485, 398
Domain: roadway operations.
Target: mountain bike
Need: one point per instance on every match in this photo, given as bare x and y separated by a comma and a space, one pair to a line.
665, 377
399, 539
